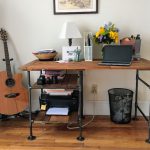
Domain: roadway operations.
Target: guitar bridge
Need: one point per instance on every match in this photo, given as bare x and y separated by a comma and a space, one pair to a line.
12, 95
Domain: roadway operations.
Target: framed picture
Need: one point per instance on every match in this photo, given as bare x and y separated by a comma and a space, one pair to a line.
75, 6
69, 53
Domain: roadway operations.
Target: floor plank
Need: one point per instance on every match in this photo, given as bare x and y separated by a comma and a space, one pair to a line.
101, 134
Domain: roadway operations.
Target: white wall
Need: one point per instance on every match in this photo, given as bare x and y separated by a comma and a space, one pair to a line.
31, 25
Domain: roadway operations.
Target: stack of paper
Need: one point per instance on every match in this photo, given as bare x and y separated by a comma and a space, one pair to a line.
57, 111
58, 92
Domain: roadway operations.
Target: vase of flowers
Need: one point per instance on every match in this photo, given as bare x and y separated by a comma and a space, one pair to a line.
107, 34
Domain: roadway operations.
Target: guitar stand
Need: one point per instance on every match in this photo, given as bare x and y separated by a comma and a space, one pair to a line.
3, 117
21, 114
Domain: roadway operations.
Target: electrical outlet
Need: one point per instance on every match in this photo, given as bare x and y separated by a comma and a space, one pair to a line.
94, 89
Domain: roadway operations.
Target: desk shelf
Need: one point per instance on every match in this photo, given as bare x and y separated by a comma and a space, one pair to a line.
41, 118
70, 81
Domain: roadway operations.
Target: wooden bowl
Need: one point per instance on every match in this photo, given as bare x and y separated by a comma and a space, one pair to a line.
45, 55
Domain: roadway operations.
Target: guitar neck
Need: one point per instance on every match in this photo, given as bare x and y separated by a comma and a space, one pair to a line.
8, 66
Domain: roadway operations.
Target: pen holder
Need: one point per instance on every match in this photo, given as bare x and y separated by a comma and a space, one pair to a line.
137, 47
88, 53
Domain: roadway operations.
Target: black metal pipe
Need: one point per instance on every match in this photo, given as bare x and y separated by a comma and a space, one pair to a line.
41, 88
142, 113
136, 94
81, 93
144, 82
30, 137
137, 107
80, 115
148, 140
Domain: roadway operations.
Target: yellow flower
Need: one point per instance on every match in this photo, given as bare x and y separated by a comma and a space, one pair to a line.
107, 34
102, 30
112, 35
116, 40
97, 34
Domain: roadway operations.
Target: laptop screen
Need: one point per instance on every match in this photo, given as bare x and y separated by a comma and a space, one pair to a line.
117, 53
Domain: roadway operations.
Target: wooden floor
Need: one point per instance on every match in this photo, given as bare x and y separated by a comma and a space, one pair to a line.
101, 134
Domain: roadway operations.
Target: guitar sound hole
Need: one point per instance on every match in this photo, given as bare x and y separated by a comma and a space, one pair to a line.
10, 82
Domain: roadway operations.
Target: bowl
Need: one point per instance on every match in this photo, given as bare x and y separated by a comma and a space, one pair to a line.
45, 54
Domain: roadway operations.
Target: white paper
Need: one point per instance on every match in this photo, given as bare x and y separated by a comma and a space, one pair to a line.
57, 111
58, 92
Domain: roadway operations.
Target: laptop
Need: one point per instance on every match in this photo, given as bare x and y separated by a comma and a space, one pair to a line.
117, 55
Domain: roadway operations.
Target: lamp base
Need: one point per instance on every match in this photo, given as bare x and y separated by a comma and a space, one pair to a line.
70, 42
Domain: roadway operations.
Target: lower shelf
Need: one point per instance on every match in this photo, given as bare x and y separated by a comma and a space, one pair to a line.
44, 119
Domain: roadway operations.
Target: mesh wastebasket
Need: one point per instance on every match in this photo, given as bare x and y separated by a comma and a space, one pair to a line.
120, 101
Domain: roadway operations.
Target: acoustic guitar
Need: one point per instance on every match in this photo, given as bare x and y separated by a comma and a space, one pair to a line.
13, 96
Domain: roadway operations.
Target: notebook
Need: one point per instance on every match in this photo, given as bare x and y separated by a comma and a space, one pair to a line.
120, 55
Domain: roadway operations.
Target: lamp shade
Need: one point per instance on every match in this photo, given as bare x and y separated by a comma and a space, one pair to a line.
70, 31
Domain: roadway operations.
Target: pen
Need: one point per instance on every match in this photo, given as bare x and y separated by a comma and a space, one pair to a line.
89, 41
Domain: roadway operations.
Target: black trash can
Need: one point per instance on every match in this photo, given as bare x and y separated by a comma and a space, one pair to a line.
120, 101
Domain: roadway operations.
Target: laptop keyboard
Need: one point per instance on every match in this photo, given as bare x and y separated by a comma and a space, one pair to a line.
114, 64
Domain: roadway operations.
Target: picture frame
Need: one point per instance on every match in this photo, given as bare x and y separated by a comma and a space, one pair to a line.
68, 53
61, 7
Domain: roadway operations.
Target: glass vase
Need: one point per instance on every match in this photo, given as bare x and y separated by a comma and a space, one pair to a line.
103, 45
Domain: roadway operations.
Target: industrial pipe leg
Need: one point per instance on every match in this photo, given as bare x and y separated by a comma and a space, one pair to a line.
30, 137
80, 137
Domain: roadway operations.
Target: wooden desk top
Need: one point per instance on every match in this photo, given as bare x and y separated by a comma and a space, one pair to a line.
36, 65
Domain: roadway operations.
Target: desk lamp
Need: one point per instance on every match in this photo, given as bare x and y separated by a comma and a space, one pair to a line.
70, 31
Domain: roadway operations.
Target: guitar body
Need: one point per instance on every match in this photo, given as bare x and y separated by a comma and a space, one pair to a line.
13, 96
12, 99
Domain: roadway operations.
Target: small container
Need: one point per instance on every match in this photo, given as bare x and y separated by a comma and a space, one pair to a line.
88, 53
137, 47
88, 46
54, 79
45, 54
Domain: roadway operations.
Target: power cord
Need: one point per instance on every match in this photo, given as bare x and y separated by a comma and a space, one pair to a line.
93, 116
